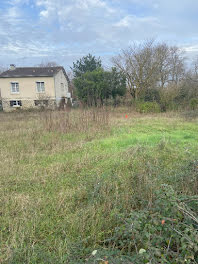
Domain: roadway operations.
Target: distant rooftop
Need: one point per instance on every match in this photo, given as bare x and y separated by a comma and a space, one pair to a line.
31, 72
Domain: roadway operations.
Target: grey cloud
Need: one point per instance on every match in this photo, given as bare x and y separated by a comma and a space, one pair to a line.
66, 29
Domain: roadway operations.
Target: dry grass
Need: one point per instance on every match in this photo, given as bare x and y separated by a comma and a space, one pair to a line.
67, 178
78, 120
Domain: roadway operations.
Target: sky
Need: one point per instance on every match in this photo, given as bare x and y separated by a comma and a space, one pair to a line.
35, 31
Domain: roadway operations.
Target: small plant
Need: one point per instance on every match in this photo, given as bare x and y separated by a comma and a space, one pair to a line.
148, 107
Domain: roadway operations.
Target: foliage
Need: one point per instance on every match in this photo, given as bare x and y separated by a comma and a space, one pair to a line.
96, 86
190, 115
166, 232
117, 82
169, 98
87, 63
194, 103
147, 107
150, 95
92, 87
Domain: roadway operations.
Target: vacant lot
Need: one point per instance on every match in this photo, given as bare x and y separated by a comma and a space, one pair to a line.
76, 182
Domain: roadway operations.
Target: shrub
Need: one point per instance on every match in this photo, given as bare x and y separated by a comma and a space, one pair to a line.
167, 232
150, 95
194, 103
148, 107
190, 115
169, 98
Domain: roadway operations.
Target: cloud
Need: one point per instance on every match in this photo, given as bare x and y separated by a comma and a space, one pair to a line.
129, 21
68, 29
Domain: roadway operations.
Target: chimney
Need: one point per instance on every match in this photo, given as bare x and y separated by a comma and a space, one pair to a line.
12, 67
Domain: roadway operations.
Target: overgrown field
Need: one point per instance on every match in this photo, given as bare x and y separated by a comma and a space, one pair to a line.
97, 187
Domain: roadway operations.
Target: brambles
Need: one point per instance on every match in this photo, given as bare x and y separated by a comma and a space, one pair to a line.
146, 238
148, 107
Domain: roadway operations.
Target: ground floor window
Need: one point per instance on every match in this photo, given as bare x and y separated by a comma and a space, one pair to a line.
41, 102
15, 103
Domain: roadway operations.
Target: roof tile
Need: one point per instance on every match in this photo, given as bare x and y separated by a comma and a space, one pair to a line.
32, 72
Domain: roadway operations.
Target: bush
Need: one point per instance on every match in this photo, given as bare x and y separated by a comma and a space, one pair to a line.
148, 107
190, 115
194, 103
167, 232
151, 95
169, 98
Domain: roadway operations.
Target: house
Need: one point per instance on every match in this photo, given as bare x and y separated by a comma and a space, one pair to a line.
33, 87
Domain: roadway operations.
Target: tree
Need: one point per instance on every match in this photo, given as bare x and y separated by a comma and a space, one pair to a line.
177, 67
188, 88
139, 66
150, 66
87, 63
94, 87
116, 83
162, 54
3, 68
91, 87
48, 64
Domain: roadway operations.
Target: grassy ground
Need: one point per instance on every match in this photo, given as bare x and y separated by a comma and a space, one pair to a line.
63, 194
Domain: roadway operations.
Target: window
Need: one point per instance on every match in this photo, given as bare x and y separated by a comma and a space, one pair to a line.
68, 95
41, 102
40, 87
15, 103
14, 87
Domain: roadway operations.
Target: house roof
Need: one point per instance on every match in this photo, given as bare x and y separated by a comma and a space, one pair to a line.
32, 72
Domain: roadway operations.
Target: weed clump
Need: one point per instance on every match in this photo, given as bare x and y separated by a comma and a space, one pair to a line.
148, 107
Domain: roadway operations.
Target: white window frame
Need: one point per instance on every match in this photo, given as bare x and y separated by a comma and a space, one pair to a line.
68, 95
17, 103
41, 89
16, 88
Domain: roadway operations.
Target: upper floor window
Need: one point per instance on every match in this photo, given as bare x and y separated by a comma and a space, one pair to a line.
14, 87
40, 86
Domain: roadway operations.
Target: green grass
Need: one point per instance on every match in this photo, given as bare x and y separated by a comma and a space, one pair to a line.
63, 194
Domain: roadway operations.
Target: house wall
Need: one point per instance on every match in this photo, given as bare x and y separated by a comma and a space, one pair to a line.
27, 91
59, 93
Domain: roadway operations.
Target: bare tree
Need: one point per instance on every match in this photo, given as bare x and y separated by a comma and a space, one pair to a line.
3, 68
177, 65
194, 70
139, 65
47, 64
189, 84
149, 65
162, 53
